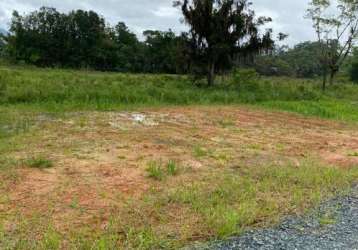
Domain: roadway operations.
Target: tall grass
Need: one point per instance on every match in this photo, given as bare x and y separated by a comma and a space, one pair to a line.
63, 90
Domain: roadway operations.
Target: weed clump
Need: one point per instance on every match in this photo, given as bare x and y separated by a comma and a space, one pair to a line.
156, 170
172, 168
39, 162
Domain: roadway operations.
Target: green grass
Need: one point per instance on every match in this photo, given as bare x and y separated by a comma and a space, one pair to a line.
231, 201
354, 154
155, 171
219, 205
39, 162
172, 168
199, 152
342, 110
65, 90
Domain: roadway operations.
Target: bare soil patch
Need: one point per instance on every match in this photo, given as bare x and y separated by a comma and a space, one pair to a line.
101, 158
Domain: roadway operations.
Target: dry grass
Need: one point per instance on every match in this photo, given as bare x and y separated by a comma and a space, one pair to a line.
162, 178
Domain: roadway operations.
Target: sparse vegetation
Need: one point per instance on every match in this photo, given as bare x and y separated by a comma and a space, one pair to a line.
39, 162
327, 220
172, 168
155, 171
223, 203
158, 171
199, 151
224, 184
152, 156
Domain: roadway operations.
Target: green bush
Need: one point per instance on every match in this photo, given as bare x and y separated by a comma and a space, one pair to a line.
245, 77
273, 66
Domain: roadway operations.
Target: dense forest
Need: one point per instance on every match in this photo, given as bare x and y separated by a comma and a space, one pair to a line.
82, 39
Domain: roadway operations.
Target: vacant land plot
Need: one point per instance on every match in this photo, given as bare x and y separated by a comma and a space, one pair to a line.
165, 177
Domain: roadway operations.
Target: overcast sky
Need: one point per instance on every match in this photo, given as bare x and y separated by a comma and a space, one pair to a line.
141, 15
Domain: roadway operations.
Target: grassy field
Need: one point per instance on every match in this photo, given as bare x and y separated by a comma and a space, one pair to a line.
59, 90
94, 160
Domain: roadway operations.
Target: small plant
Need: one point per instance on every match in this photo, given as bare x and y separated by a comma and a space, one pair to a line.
354, 154
74, 203
155, 171
199, 152
223, 157
327, 219
51, 240
172, 168
39, 162
225, 123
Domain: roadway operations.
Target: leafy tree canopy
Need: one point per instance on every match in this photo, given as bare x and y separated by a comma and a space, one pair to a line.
221, 31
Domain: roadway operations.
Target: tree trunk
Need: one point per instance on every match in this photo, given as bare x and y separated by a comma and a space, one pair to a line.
332, 76
211, 73
324, 80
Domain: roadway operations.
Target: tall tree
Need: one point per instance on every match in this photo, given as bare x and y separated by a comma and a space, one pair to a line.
221, 31
129, 50
2, 45
82, 39
336, 33
87, 31
161, 51
353, 71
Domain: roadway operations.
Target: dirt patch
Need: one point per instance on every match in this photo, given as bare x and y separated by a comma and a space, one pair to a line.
101, 158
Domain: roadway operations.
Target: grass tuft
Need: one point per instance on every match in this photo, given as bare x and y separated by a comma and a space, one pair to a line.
199, 152
155, 171
39, 162
172, 168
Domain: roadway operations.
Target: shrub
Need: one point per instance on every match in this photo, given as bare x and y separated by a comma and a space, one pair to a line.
273, 66
248, 77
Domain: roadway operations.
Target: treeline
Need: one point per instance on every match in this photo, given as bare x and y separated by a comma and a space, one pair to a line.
301, 61
83, 39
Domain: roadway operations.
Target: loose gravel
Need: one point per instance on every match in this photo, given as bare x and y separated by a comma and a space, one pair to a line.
334, 225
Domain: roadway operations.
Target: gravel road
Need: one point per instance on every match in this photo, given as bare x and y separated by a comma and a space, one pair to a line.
333, 226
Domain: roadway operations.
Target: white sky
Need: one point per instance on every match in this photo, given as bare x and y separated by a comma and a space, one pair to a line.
140, 15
